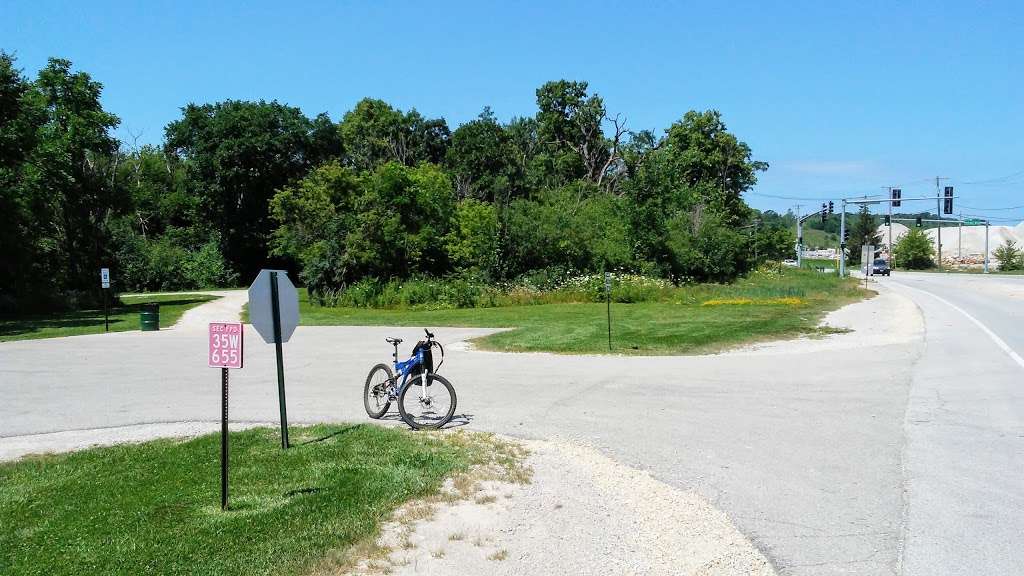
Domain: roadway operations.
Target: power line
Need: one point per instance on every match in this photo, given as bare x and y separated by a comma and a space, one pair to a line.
995, 209
998, 180
784, 197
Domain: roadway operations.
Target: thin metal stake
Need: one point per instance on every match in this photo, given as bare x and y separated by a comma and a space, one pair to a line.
276, 313
224, 439
609, 299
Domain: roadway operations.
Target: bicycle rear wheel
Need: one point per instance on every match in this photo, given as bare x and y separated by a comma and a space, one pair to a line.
377, 391
428, 408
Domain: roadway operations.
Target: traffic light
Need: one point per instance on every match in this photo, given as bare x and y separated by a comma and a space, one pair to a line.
888, 220
831, 207
918, 222
846, 236
947, 203
896, 195
824, 214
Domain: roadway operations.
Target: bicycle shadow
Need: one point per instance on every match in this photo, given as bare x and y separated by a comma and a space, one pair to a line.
457, 421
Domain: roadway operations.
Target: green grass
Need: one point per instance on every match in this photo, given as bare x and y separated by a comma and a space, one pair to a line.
154, 508
122, 317
680, 326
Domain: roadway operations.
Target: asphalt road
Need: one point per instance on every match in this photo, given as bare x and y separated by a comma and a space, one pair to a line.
894, 449
964, 454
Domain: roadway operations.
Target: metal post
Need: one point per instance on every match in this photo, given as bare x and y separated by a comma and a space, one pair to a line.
224, 439
799, 240
106, 311
986, 247
608, 299
960, 239
892, 259
842, 241
276, 309
938, 214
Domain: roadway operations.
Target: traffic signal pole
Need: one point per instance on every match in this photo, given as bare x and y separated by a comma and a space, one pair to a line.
892, 259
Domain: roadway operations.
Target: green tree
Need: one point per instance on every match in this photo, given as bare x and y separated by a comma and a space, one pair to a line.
237, 154
863, 230
472, 241
479, 158
713, 163
374, 133
1009, 256
22, 209
914, 250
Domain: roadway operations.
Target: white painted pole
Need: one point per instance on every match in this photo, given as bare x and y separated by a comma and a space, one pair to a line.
986, 247
799, 240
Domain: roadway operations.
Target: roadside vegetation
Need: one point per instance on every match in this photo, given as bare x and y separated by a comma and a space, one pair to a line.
914, 251
124, 315
649, 316
380, 194
132, 509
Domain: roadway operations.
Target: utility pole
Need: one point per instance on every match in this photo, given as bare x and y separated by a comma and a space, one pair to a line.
891, 261
799, 238
842, 241
960, 238
986, 246
938, 214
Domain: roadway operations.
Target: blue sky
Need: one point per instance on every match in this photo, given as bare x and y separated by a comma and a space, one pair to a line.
841, 98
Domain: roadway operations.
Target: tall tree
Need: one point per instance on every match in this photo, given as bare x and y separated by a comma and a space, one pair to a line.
237, 154
479, 158
713, 162
374, 133
863, 230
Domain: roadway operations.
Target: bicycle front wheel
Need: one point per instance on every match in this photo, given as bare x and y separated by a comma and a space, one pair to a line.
427, 407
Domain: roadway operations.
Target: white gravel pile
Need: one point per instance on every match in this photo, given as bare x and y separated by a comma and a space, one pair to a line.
968, 241
584, 514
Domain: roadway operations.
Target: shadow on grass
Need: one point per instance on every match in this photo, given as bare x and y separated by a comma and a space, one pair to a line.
338, 432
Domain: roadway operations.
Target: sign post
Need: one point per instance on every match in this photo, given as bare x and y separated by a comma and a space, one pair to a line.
105, 285
608, 298
225, 352
274, 313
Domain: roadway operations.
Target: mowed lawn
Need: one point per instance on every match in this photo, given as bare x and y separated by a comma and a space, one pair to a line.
154, 508
701, 318
124, 316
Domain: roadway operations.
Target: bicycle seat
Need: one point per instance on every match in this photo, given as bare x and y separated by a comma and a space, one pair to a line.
394, 340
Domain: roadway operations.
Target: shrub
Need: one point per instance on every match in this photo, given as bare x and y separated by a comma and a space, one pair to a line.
1009, 256
914, 250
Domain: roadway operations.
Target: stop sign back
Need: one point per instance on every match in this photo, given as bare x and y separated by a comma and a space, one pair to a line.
225, 345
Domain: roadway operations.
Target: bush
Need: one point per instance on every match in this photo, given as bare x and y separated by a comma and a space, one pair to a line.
1009, 256
914, 250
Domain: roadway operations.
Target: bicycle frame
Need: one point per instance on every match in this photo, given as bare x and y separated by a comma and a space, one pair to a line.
404, 369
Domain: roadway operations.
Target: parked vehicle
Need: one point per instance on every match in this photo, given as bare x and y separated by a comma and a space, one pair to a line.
880, 267
425, 399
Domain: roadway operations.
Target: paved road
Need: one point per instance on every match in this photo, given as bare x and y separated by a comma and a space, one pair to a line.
818, 450
964, 455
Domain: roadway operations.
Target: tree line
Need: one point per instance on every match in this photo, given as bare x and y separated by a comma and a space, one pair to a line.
381, 193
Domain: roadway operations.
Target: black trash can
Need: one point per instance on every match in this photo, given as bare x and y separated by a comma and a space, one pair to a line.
149, 318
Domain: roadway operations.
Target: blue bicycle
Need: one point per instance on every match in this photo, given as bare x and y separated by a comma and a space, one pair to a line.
425, 399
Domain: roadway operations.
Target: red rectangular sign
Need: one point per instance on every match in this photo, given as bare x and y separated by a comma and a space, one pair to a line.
225, 345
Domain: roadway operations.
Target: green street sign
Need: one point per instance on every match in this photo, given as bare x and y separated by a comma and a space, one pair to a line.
973, 222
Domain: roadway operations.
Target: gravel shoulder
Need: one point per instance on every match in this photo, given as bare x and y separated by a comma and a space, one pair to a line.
583, 513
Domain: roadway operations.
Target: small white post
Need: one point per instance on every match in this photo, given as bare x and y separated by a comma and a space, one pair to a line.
986, 247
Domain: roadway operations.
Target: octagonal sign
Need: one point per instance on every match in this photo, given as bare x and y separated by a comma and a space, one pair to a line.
261, 307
